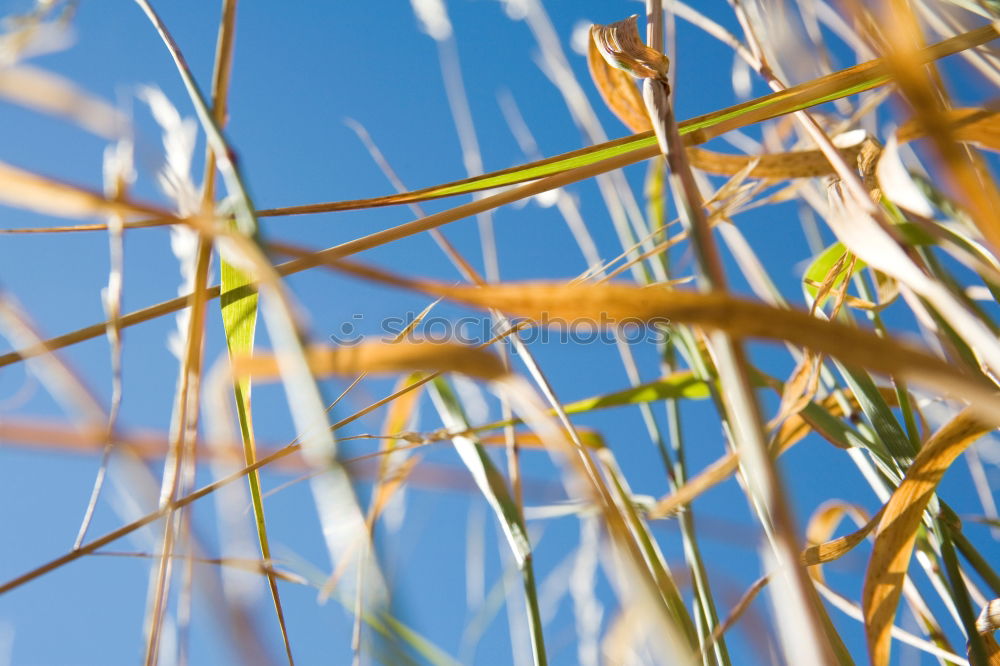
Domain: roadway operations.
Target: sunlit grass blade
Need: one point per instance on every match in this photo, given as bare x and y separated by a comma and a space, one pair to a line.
697, 130
822, 524
897, 528
494, 488
50, 93
978, 126
714, 310
381, 357
42, 194
667, 586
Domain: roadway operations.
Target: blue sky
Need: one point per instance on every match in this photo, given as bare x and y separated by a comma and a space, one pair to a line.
301, 68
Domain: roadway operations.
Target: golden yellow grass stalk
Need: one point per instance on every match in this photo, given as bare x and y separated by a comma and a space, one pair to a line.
897, 529
381, 357
716, 311
41, 194
50, 93
822, 524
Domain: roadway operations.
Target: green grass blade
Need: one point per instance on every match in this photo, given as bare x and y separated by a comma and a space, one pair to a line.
678, 385
239, 305
494, 488
672, 597
843, 83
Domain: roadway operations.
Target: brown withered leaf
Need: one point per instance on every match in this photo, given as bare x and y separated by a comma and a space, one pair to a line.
987, 623
617, 89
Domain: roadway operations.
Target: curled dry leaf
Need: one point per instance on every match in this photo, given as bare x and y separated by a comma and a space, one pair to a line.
821, 526
989, 618
897, 529
617, 89
623, 48
379, 357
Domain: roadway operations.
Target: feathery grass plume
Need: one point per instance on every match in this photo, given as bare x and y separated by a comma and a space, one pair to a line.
174, 178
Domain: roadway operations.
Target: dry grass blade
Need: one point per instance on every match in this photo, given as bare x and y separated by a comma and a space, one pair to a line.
978, 126
737, 611
589, 437
713, 310
822, 524
50, 93
41, 194
964, 170
792, 431
380, 357
777, 166
620, 93
713, 475
897, 529
307, 260
263, 567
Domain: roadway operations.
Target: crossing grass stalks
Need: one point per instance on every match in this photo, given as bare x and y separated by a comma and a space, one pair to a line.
875, 152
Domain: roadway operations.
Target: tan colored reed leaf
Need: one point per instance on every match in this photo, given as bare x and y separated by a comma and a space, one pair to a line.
800, 388
778, 166
387, 486
590, 438
713, 475
963, 170
822, 525
393, 470
550, 302
24, 189
50, 93
971, 125
792, 431
896, 531
379, 357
